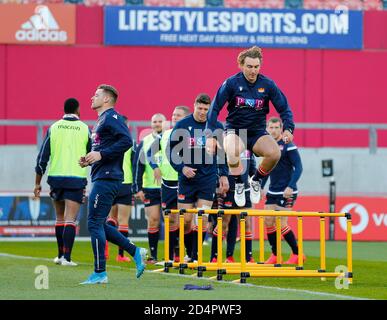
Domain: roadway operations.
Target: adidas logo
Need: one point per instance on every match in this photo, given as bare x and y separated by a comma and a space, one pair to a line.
41, 26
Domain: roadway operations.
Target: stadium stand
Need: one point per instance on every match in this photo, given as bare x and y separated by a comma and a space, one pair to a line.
350, 4
195, 3
102, 2
214, 3
269, 4
294, 4
373, 5
135, 2
164, 3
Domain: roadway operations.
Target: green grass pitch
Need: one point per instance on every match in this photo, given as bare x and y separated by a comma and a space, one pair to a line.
18, 261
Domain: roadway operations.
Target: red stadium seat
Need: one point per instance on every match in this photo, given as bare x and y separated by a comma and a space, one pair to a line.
32, 1
104, 2
372, 5
265, 4
270, 4
195, 3
164, 3
334, 4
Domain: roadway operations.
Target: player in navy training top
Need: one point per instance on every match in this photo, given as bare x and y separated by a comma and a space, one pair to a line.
197, 170
248, 94
111, 139
122, 205
282, 191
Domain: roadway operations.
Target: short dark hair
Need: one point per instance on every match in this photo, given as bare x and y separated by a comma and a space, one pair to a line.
71, 105
203, 98
109, 90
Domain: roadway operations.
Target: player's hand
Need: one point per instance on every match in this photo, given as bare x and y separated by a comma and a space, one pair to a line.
189, 172
157, 175
211, 145
140, 195
224, 185
82, 162
287, 136
37, 190
93, 157
288, 192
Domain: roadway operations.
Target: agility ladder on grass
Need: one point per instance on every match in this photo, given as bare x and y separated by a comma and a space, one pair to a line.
246, 269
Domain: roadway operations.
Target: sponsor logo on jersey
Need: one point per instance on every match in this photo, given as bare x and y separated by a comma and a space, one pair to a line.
256, 104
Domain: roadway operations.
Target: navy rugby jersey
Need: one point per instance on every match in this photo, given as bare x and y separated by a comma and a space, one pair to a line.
111, 137
191, 134
287, 171
248, 104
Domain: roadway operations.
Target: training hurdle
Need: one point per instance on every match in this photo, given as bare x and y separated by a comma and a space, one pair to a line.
247, 269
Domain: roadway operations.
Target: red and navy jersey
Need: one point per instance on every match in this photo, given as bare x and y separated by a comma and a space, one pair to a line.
248, 104
287, 171
111, 137
187, 147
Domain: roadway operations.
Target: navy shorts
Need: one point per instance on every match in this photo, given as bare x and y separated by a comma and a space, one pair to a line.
60, 194
125, 195
169, 195
280, 201
252, 136
190, 191
152, 197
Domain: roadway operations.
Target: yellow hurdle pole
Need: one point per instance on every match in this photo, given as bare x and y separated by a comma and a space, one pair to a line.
261, 240
243, 270
279, 236
349, 248
220, 241
243, 242
200, 238
166, 236
269, 213
181, 238
300, 244
322, 246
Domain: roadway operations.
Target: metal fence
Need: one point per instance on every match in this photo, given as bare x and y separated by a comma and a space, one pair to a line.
135, 125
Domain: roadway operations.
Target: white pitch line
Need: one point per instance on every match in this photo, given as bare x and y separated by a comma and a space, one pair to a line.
268, 287
8, 255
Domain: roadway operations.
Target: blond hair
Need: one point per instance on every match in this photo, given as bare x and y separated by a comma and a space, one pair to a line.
253, 52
